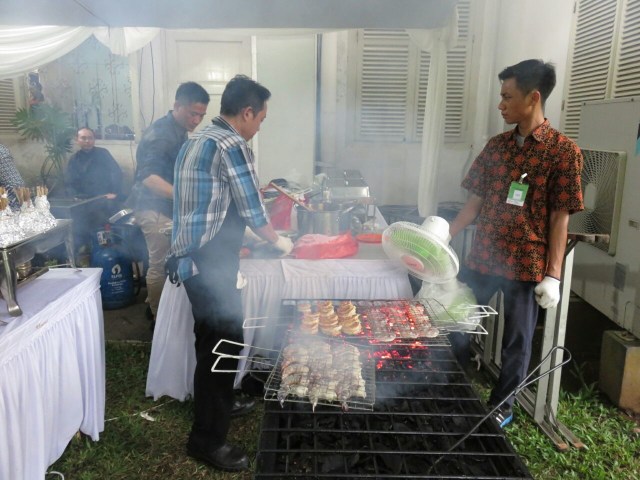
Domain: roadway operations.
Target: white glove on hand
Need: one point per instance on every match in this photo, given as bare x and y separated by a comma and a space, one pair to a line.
284, 244
241, 282
548, 292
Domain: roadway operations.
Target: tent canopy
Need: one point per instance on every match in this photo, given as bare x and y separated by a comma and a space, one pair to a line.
417, 14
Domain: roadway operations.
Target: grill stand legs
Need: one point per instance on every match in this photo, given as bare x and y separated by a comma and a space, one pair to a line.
542, 402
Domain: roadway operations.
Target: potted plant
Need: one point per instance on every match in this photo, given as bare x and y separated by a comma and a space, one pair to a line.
51, 125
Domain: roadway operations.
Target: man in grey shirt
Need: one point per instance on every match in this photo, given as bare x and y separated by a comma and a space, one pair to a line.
152, 195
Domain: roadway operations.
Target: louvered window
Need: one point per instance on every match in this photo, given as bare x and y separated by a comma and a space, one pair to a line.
604, 56
392, 78
8, 105
627, 79
384, 88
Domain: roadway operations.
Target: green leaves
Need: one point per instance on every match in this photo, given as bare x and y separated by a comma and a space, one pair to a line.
53, 126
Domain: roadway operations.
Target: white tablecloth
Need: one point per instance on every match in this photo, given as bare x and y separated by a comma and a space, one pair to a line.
368, 275
52, 371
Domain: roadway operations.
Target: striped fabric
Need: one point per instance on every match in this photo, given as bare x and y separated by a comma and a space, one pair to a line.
213, 167
9, 176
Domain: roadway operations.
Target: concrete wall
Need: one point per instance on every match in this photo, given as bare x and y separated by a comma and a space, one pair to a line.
287, 67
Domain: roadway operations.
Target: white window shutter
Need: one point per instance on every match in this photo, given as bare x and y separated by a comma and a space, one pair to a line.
458, 76
8, 105
591, 58
627, 79
383, 83
457, 81
392, 80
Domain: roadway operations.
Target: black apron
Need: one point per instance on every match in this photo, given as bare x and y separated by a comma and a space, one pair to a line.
218, 262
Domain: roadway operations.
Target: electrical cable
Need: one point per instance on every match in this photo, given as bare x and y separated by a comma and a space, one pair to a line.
521, 386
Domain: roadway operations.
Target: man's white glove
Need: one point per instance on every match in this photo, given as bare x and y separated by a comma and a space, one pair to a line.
284, 244
241, 282
548, 292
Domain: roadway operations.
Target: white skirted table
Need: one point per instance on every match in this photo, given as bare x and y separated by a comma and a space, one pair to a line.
52, 370
367, 275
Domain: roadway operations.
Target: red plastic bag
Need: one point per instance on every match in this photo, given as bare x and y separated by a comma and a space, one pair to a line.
316, 246
280, 212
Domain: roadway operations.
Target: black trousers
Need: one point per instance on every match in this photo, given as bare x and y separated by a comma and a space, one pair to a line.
217, 312
520, 319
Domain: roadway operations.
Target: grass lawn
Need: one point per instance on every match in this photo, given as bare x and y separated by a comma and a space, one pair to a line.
151, 446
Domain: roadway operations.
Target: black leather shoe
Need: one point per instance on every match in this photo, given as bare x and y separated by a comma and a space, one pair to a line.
242, 405
228, 457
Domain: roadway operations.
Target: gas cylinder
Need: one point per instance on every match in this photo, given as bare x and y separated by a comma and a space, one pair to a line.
116, 282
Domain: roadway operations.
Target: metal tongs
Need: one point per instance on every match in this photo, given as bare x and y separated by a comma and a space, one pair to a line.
291, 197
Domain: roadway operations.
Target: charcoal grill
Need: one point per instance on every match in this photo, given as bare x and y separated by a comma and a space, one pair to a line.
424, 404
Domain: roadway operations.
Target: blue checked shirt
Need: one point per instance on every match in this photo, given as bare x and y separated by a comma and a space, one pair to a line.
213, 167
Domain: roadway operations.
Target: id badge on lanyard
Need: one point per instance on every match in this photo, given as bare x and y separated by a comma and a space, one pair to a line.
518, 192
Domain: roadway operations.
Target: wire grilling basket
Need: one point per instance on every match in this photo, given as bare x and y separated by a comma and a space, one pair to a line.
323, 371
426, 321
326, 358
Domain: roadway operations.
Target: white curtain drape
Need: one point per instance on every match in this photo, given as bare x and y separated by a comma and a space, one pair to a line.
437, 42
25, 48
123, 41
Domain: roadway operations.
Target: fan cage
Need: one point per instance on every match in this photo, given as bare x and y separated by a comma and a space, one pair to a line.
601, 178
404, 239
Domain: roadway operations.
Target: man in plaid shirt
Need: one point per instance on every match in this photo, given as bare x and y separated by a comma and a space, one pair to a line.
216, 197
10, 178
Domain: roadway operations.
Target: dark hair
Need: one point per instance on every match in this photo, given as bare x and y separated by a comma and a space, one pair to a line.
532, 75
191, 92
242, 92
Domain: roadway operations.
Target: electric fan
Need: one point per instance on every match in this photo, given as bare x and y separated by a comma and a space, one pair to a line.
423, 249
602, 181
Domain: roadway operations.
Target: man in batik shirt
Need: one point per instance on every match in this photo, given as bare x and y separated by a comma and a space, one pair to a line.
523, 187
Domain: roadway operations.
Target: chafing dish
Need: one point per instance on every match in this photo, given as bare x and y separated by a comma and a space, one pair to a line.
23, 251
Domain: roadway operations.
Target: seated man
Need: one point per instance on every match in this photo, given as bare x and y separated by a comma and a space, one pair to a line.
93, 172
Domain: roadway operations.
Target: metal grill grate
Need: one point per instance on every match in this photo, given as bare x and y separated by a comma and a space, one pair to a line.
424, 404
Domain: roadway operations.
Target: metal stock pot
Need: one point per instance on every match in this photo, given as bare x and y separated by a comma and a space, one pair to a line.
325, 219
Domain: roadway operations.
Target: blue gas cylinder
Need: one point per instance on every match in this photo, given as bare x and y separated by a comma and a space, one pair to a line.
116, 282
